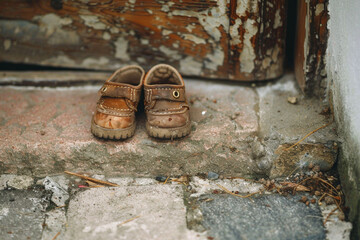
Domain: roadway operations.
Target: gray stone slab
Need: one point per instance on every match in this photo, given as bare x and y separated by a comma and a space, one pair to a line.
102, 213
22, 213
59, 193
266, 217
55, 223
15, 182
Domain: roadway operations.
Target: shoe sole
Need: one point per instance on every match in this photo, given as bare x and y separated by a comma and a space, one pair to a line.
107, 133
168, 133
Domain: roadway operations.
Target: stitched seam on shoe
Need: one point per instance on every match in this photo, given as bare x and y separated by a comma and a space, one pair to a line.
122, 87
165, 113
115, 113
118, 114
174, 108
118, 109
165, 88
149, 94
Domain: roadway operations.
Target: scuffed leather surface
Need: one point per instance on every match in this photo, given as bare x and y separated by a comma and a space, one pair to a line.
169, 120
162, 108
119, 99
113, 122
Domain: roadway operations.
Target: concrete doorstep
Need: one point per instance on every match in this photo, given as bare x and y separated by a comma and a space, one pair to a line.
237, 131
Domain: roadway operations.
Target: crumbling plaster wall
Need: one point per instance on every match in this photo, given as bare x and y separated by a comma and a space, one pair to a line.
343, 68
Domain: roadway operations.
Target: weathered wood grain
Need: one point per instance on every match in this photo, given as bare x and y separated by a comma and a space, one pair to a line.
257, 32
227, 39
311, 44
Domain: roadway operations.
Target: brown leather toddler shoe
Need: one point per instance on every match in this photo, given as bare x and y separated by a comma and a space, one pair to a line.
167, 111
115, 111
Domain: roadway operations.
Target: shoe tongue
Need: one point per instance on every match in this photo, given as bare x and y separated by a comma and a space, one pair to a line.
164, 75
129, 76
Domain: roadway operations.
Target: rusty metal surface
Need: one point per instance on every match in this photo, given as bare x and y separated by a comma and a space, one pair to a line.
227, 39
311, 44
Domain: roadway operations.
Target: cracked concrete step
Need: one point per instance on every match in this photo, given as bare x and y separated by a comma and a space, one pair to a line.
47, 131
235, 131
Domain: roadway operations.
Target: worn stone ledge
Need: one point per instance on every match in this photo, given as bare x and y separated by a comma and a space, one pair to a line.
235, 131
47, 131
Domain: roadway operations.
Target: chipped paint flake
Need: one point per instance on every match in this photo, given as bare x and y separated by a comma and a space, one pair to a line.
248, 55
277, 21
52, 20
194, 39
121, 47
106, 36
214, 60
190, 66
114, 30
190, 27
266, 63
165, 8
244, 6
234, 32
210, 22
93, 22
166, 32
141, 60
275, 53
144, 41
7, 44
319, 9
95, 63
61, 60
170, 53
51, 25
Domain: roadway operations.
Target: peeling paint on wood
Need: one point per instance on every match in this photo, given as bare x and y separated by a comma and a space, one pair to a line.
227, 39
257, 38
311, 46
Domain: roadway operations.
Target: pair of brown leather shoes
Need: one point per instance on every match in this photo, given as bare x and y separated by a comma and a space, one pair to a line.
167, 111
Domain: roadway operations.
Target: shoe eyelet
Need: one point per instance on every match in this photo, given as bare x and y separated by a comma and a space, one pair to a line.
176, 94
103, 89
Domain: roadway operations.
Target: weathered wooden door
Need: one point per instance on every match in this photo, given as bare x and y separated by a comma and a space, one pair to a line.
226, 39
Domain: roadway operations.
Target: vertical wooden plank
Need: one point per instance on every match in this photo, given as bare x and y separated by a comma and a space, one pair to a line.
311, 43
257, 32
299, 45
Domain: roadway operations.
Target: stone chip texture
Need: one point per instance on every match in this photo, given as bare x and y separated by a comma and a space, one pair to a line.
15, 181
102, 214
301, 156
22, 213
266, 217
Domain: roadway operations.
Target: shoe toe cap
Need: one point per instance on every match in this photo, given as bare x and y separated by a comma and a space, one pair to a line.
169, 121
113, 122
